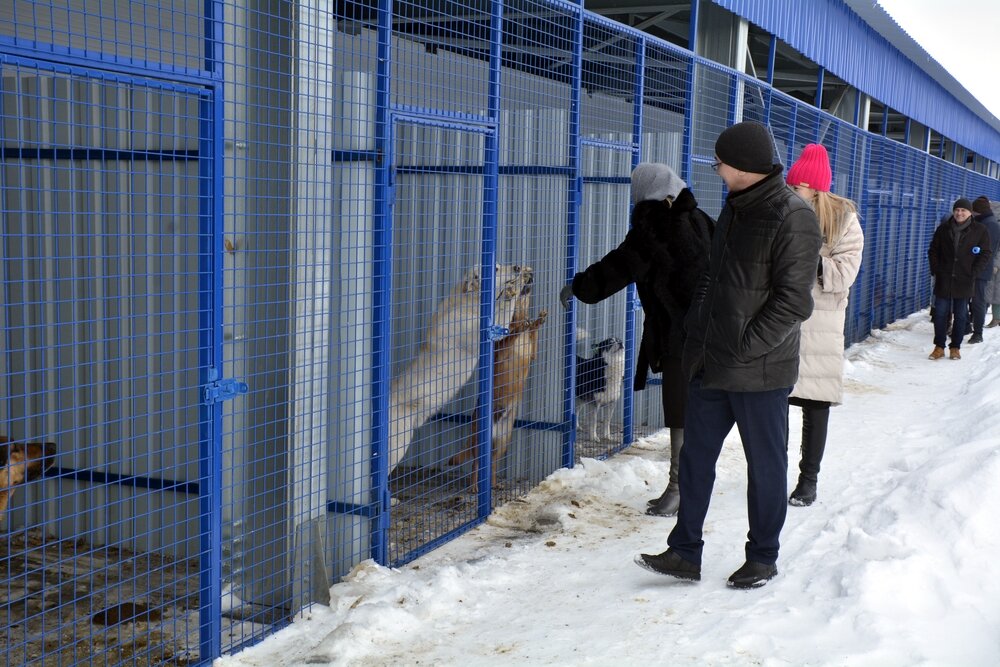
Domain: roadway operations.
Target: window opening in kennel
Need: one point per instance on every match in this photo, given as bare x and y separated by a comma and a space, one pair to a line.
107, 331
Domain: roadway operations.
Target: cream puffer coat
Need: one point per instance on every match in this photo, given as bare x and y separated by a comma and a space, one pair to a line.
821, 351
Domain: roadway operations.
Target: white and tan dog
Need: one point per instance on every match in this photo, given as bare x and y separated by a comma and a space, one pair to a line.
449, 354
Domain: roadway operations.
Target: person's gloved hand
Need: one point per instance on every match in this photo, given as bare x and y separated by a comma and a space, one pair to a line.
565, 294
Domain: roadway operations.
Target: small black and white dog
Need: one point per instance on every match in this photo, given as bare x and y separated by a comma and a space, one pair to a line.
599, 385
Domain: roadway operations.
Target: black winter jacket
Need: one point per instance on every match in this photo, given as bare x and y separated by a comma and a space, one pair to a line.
955, 266
663, 253
989, 221
743, 327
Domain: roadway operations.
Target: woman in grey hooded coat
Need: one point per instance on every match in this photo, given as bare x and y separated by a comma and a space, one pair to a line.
664, 253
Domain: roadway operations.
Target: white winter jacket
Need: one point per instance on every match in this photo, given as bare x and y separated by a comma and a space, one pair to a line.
821, 352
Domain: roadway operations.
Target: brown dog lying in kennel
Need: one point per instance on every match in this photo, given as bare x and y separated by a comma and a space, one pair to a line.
21, 462
512, 357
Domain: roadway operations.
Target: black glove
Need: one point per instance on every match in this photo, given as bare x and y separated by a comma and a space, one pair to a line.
565, 294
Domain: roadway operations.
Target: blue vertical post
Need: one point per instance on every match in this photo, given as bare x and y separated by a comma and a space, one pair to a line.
8, 389
211, 253
631, 300
211, 281
819, 88
772, 54
382, 289
693, 27
574, 199
792, 130
852, 304
491, 177
687, 145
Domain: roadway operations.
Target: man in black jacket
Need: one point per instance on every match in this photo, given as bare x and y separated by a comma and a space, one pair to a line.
983, 213
959, 251
741, 355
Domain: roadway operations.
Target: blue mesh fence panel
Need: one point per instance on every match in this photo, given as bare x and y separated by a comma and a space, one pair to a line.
280, 287
105, 321
538, 168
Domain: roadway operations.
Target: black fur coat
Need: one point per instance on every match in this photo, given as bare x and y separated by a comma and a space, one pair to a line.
664, 253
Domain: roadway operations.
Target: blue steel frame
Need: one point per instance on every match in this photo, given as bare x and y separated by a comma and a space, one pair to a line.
382, 307
210, 482
575, 199
208, 85
491, 180
631, 298
211, 142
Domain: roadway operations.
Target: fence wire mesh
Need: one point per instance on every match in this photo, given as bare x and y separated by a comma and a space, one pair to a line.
280, 287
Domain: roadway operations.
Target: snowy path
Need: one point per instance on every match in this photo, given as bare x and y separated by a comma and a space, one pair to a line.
896, 564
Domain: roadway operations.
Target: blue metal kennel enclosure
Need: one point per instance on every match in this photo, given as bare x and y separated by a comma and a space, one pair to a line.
228, 230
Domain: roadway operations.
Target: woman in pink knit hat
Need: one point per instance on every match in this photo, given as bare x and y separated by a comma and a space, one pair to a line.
821, 353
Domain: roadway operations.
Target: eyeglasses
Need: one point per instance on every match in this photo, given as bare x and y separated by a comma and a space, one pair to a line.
716, 165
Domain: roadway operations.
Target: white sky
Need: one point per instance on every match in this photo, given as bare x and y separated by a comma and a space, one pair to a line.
962, 35
895, 565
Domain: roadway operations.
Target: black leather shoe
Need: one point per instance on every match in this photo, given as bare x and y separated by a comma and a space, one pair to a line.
670, 564
976, 338
752, 575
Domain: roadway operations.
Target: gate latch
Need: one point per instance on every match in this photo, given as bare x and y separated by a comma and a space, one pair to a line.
223, 390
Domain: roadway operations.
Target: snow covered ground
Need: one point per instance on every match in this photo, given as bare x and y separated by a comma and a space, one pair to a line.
897, 564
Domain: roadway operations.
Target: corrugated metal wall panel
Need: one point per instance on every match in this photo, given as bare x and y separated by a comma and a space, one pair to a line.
867, 60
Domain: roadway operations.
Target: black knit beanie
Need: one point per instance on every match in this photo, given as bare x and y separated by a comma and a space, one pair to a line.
747, 146
981, 205
962, 202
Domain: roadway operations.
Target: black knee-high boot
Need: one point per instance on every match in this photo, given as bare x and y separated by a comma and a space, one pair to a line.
815, 421
670, 499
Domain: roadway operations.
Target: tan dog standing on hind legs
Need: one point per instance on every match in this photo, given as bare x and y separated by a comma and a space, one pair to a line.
449, 354
512, 357
19, 463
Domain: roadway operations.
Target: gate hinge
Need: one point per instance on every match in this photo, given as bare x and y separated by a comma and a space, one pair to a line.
223, 390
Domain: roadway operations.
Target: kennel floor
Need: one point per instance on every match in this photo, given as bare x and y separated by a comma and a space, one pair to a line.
65, 602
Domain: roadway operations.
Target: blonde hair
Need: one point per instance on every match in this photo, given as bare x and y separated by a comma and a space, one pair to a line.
832, 211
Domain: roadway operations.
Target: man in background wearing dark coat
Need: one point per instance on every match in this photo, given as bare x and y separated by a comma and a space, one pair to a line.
959, 250
741, 354
983, 214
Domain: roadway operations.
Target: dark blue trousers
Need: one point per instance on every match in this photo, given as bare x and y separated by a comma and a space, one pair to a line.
979, 306
944, 309
762, 420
